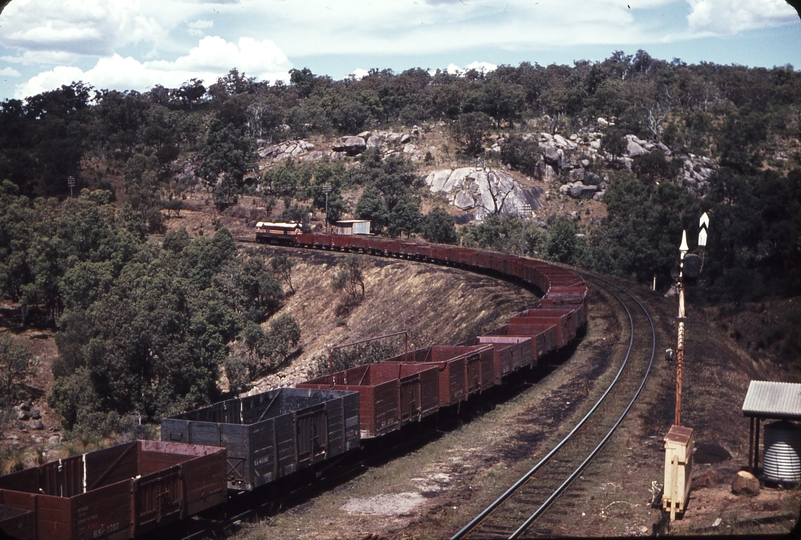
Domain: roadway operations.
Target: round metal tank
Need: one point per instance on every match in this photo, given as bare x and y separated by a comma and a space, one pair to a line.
782, 459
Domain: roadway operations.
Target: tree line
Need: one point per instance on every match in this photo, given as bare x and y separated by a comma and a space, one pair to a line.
142, 325
87, 260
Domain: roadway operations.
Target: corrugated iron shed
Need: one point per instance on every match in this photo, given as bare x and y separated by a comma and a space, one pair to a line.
769, 399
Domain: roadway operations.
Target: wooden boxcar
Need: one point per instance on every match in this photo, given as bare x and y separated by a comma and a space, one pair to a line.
273, 434
462, 370
390, 394
119, 492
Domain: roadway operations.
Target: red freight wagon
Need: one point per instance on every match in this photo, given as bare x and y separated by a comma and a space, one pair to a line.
360, 243
567, 294
408, 249
390, 395
319, 241
463, 370
440, 254
467, 256
420, 252
544, 337
119, 492
272, 434
566, 318
532, 275
16, 523
341, 241
305, 239
393, 247
510, 353
484, 260
568, 300
517, 266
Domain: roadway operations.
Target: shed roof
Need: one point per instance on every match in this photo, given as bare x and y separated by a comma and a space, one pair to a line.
769, 399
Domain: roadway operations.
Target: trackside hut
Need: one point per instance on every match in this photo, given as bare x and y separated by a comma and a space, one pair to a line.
769, 400
352, 226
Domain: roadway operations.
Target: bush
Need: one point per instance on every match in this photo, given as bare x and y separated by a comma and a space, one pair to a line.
439, 226
520, 154
16, 364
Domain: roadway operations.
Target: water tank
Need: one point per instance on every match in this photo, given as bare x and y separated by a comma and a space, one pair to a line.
782, 459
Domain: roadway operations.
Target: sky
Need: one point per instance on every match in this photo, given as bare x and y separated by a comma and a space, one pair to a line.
137, 44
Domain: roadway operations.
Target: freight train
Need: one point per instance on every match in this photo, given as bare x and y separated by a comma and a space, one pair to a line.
246, 444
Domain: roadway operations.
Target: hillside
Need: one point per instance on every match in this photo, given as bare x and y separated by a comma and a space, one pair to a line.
120, 212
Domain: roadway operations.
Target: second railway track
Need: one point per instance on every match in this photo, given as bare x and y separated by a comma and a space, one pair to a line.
525, 504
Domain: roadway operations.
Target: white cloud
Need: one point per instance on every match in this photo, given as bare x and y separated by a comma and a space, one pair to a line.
9, 72
360, 73
728, 17
94, 27
146, 41
200, 23
42, 57
212, 58
196, 28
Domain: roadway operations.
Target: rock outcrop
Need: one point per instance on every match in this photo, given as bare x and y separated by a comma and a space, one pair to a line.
350, 145
483, 191
573, 157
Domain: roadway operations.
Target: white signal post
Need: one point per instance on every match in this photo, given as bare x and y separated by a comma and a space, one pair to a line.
679, 440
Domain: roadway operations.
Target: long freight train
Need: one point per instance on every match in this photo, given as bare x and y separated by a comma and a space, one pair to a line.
245, 444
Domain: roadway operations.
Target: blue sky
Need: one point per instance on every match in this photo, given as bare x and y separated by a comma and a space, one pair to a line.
135, 44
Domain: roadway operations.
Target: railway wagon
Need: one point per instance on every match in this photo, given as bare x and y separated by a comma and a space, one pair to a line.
16, 523
566, 319
567, 294
510, 353
462, 370
120, 492
532, 275
544, 337
272, 434
390, 395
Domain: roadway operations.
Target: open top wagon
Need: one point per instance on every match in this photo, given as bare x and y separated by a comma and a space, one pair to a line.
120, 492
390, 395
272, 434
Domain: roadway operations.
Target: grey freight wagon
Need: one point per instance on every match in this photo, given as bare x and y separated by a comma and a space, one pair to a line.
273, 434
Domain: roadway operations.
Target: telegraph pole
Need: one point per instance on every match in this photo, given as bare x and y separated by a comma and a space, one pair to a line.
525, 212
326, 190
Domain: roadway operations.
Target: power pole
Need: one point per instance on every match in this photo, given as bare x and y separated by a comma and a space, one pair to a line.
326, 190
525, 213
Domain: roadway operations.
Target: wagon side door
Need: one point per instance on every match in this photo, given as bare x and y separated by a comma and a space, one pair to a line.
473, 373
311, 434
410, 408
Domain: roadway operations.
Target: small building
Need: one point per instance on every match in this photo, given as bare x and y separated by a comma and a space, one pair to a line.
352, 226
779, 401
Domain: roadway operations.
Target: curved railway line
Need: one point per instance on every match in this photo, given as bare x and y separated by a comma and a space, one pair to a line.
514, 513
216, 465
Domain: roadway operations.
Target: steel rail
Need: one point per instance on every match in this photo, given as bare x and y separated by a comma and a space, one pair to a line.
475, 522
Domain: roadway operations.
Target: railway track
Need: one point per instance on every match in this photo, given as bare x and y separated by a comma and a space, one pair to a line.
515, 512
